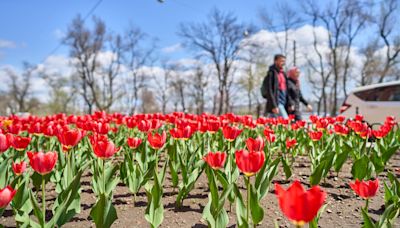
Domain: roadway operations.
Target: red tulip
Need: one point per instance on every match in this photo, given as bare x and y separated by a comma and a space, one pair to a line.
256, 144
295, 126
359, 117
144, 126
366, 134
14, 128
42, 163
101, 128
70, 138
181, 133
134, 143
157, 141
341, 130
365, 189
290, 143
215, 160
340, 119
379, 133
20, 143
269, 135
103, 148
322, 124
6, 195
19, 168
4, 143
249, 163
213, 126
315, 135
231, 133
298, 205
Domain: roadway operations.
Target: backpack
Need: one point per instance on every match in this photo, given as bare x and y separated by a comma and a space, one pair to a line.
264, 89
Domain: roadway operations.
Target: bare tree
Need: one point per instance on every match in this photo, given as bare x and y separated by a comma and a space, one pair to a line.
62, 92
387, 23
343, 20
106, 93
149, 104
199, 86
254, 71
370, 64
163, 84
178, 84
320, 67
20, 88
284, 18
136, 57
85, 46
220, 39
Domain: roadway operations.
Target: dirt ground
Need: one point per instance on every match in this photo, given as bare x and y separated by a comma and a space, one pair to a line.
343, 206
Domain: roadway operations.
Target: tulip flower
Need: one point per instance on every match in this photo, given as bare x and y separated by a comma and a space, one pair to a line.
298, 205
359, 117
379, 133
249, 163
157, 141
14, 128
322, 124
215, 160
290, 143
4, 143
6, 195
134, 143
340, 119
19, 143
231, 133
269, 135
42, 163
256, 144
104, 149
144, 126
19, 168
182, 133
341, 130
213, 126
365, 189
70, 138
315, 135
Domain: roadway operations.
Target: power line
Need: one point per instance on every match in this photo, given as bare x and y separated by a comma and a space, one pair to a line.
91, 11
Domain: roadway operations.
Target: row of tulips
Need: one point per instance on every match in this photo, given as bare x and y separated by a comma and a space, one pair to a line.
115, 148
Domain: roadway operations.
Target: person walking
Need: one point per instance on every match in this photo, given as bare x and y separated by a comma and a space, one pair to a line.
294, 94
274, 88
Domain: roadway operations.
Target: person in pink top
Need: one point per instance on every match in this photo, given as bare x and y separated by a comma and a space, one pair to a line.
294, 94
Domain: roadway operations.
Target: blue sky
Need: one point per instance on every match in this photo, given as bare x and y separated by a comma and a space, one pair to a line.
34, 28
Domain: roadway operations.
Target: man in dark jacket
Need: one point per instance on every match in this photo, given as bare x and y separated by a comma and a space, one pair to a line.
275, 86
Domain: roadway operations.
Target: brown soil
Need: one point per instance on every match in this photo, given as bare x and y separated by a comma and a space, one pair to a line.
343, 206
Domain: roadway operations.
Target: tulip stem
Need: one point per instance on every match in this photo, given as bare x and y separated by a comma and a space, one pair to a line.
248, 200
156, 152
104, 176
366, 205
44, 199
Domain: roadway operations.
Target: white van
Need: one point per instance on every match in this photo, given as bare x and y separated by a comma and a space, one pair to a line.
374, 102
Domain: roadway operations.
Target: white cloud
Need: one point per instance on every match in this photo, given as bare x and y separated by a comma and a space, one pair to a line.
56, 64
59, 34
173, 48
7, 44
186, 62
